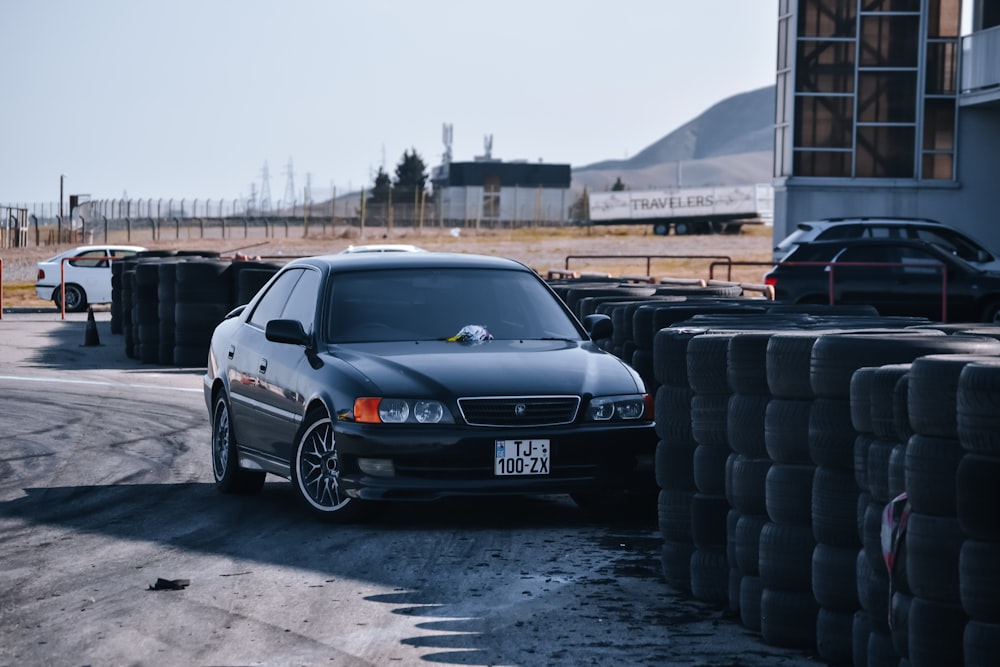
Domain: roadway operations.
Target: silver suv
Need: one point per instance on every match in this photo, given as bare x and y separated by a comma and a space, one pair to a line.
918, 229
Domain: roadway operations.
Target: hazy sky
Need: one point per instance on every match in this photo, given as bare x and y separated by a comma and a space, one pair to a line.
191, 98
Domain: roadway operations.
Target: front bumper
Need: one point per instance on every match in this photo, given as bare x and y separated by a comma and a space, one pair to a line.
433, 463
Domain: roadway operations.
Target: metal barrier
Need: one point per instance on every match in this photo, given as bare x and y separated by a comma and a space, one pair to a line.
62, 276
832, 266
649, 258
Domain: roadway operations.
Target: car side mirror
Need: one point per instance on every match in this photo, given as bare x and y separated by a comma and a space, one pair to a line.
287, 331
598, 326
983, 256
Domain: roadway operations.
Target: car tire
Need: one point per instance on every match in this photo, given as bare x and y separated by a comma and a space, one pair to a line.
316, 469
991, 313
229, 477
76, 298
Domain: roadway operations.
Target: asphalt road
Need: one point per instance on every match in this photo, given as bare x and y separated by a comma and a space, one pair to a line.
106, 487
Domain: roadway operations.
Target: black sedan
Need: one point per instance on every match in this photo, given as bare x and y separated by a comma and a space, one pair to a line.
897, 277
414, 376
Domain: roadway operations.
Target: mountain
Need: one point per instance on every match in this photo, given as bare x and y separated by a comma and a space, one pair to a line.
729, 144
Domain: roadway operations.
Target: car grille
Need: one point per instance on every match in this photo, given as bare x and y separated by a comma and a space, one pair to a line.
519, 410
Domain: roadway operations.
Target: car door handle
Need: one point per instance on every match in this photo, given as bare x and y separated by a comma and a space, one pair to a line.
263, 366
232, 351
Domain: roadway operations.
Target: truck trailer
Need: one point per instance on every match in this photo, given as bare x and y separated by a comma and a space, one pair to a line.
694, 210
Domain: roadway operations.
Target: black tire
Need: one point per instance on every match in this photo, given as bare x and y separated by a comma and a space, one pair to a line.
871, 537
76, 298
674, 516
673, 414
788, 359
835, 508
883, 399
786, 551
835, 357
674, 466
745, 424
675, 561
834, 636
861, 391
709, 514
709, 414
979, 580
978, 418
936, 634
710, 576
747, 543
899, 610
901, 409
978, 503
788, 618
747, 362
934, 546
861, 628
873, 592
897, 470
786, 431
861, 445
831, 434
931, 469
981, 643
709, 464
751, 590
670, 355
229, 476
316, 468
835, 578
748, 483
879, 453
934, 391
707, 363
788, 493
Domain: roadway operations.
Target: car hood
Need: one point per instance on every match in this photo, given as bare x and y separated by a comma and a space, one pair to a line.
493, 368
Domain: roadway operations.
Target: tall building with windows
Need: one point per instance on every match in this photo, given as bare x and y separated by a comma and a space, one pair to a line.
889, 108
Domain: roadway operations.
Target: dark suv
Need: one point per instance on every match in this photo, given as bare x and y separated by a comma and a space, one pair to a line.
897, 277
915, 229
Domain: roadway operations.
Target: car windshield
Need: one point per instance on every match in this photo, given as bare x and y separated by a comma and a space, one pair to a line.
468, 305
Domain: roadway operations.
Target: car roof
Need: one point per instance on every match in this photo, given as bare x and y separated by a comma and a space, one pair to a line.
381, 247
406, 260
882, 220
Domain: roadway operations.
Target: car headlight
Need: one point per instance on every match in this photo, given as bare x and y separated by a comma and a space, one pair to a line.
619, 408
400, 411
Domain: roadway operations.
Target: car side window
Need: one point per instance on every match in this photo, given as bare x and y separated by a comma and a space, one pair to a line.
302, 301
950, 241
97, 262
272, 303
919, 263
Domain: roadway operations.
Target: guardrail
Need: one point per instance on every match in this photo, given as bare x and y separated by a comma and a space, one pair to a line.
832, 266
649, 258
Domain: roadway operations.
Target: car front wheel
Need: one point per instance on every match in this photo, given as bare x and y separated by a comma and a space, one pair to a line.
229, 477
76, 298
316, 471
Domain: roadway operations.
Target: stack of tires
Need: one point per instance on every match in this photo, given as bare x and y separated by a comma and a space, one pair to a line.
203, 295
978, 425
835, 358
883, 429
710, 521
788, 609
748, 466
935, 540
674, 465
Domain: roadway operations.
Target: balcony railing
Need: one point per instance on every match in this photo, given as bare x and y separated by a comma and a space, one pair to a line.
981, 61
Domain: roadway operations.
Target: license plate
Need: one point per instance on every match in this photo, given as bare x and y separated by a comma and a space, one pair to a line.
521, 457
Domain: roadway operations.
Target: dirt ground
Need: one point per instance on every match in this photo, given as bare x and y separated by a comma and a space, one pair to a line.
617, 251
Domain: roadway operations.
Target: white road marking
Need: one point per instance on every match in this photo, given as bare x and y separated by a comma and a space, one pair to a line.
128, 385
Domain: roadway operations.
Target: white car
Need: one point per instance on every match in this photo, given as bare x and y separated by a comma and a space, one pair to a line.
930, 231
88, 278
381, 247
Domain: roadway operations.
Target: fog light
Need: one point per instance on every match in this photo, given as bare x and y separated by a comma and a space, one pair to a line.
377, 467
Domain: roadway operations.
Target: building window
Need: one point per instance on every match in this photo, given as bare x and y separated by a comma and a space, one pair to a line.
862, 106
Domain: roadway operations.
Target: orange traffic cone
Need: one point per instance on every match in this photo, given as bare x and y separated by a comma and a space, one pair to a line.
91, 339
